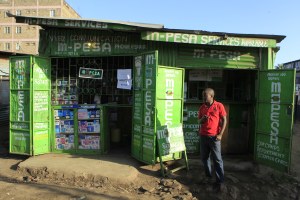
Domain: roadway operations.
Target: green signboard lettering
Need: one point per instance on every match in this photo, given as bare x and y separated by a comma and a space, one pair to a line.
191, 56
207, 39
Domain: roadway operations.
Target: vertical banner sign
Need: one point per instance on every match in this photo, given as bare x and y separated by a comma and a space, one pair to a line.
20, 139
144, 78
40, 105
138, 72
149, 82
191, 128
274, 118
169, 96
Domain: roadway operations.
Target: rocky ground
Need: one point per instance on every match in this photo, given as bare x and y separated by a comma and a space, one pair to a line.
244, 180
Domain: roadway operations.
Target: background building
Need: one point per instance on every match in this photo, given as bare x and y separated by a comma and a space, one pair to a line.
20, 39
23, 38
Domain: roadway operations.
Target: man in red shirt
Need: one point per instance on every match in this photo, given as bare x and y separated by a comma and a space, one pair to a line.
212, 119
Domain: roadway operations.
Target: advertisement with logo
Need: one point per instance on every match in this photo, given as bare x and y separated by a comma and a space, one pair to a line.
275, 118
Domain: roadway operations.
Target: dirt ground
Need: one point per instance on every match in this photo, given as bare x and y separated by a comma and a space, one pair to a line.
244, 180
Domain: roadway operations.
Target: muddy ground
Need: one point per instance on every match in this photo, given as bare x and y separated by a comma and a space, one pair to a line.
244, 180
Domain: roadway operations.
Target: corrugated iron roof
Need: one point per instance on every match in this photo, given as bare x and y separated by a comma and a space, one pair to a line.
130, 26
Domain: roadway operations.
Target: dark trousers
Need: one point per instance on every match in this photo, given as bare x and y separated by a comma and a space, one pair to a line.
210, 146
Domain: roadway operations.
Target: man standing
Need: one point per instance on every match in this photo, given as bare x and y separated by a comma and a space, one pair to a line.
212, 119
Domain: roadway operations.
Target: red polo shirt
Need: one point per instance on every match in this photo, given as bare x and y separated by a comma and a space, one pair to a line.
211, 127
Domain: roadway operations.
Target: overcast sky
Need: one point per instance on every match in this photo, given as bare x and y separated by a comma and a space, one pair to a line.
275, 17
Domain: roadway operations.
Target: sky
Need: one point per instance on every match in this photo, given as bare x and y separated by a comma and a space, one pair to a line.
271, 17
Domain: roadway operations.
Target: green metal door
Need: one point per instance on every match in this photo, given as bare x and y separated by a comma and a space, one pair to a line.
40, 87
144, 112
158, 100
20, 140
29, 105
274, 118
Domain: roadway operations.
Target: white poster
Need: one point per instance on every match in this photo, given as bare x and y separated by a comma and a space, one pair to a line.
124, 74
124, 79
124, 84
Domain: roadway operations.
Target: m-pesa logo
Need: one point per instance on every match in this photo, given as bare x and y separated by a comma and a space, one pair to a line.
275, 111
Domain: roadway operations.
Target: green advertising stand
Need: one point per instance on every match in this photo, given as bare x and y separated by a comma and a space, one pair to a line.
158, 101
170, 140
29, 105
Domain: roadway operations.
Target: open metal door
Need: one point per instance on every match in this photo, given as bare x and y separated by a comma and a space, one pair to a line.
20, 140
143, 146
40, 87
158, 101
29, 105
274, 118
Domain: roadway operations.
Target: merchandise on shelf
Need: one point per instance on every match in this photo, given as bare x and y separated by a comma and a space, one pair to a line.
88, 113
89, 126
64, 142
66, 126
64, 91
89, 141
63, 114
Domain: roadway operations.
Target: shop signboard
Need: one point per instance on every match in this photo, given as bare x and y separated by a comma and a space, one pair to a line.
29, 100
20, 137
223, 40
86, 43
191, 128
274, 118
209, 57
158, 92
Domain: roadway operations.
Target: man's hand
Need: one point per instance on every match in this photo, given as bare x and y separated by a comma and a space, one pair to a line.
203, 119
219, 137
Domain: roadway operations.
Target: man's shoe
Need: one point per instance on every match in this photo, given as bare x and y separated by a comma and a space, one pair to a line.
206, 180
218, 187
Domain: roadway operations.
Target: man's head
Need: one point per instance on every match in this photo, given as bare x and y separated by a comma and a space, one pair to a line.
208, 95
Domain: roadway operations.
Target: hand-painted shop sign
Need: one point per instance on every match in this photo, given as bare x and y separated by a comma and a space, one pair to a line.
207, 39
83, 43
73, 23
191, 56
90, 73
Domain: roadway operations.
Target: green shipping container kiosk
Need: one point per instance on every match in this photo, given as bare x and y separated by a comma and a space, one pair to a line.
109, 84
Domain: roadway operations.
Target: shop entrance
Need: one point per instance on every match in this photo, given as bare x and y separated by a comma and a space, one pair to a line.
236, 90
113, 112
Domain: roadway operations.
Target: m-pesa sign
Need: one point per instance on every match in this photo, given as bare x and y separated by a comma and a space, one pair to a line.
274, 118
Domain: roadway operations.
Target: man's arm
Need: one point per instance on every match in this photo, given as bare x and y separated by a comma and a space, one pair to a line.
224, 122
